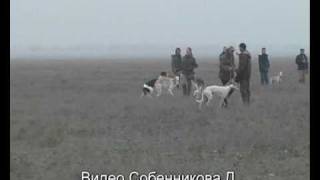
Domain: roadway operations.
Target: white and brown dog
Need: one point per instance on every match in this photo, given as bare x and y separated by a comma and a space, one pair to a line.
224, 92
164, 81
276, 79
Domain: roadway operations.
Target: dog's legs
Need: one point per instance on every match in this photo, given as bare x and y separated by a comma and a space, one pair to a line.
205, 100
225, 103
170, 91
201, 101
171, 87
221, 102
200, 105
208, 102
159, 90
209, 98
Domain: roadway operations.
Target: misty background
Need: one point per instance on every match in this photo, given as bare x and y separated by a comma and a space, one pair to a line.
153, 28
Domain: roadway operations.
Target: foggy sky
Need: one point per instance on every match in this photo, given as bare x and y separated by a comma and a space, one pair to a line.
37, 24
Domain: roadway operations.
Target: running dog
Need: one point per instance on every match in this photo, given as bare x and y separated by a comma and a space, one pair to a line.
164, 81
276, 79
224, 92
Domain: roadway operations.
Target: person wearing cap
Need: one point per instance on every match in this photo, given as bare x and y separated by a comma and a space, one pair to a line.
264, 66
188, 65
243, 73
302, 63
227, 65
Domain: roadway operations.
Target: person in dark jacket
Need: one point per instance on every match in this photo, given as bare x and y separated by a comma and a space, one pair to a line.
302, 63
264, 66
188, 65
227, 66
244, 73
176, 61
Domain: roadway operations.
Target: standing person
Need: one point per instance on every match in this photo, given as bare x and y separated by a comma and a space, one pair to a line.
223, 51
227, 66
188, 65
226, 69
244, 73
176, 61
264, 66
302, 63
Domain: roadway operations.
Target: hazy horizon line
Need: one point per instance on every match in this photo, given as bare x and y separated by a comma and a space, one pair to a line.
139, 51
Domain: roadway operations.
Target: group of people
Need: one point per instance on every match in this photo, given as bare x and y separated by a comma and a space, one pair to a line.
228, 72
264, 65
184, 66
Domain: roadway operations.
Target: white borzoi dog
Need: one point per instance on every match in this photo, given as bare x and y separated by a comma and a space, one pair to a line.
224, 92
276, 79
164, 81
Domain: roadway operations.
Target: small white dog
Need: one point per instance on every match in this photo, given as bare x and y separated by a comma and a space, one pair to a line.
224, 92
276, 79
164, 81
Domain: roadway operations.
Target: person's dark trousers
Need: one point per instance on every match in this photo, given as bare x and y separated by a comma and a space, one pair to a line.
186, 88
264, 77
245, 91
187, 84
184, 84
302, 75
224, 82
189, 87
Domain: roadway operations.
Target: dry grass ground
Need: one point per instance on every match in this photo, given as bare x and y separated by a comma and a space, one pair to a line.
69, 116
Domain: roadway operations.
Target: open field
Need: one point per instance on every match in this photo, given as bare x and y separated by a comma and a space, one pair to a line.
69, 116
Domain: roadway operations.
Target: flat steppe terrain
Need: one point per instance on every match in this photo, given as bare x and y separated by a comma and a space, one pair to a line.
74, 115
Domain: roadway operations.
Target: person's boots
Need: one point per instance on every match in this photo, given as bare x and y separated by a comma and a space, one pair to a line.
184, 89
